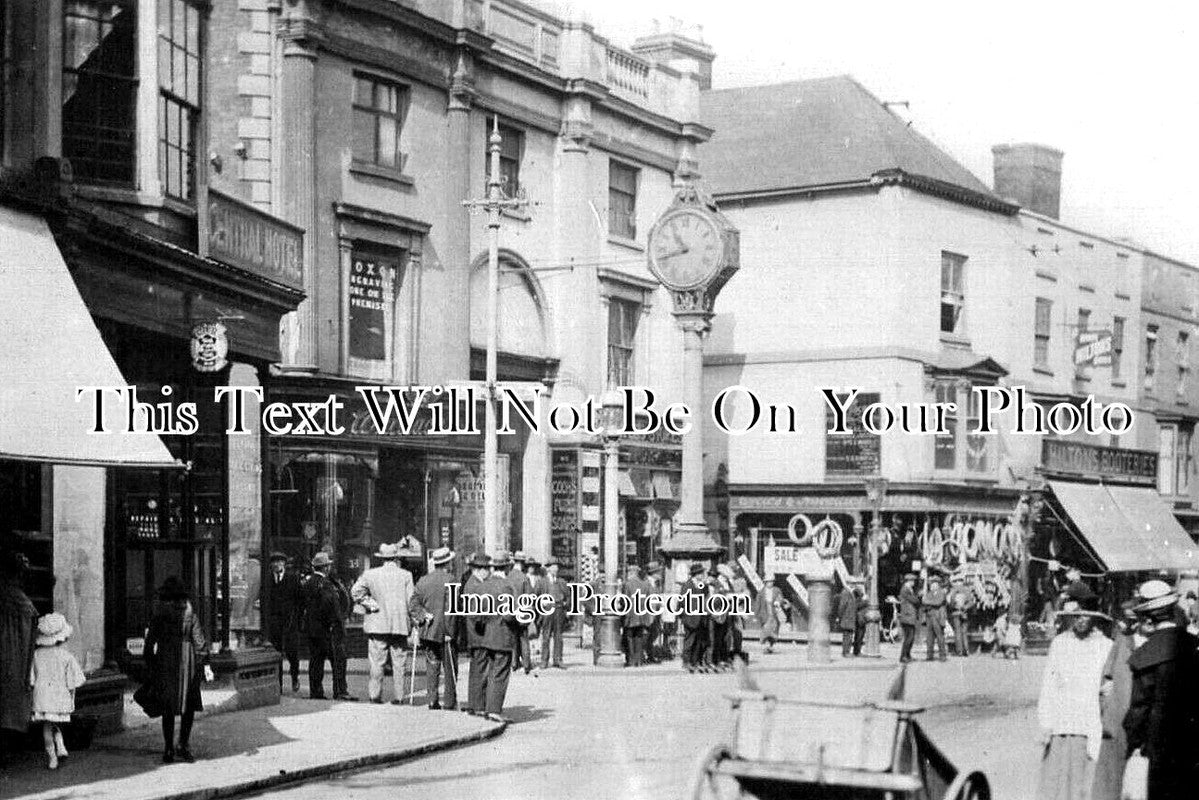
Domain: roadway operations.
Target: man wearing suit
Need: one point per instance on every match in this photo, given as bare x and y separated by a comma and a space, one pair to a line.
325, 625
493, 640
932, 603
437, 631
636, 626
847, 616
283, 608
909, 615
553, 624
521, 585
385, 593
474, 583
695, 626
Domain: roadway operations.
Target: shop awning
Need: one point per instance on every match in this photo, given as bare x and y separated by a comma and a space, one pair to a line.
1128, 528
48, 347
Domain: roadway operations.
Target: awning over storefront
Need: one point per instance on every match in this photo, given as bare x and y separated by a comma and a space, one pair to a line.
49, 346
1129, 529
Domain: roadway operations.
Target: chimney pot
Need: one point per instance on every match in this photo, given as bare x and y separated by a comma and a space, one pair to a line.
1030, 175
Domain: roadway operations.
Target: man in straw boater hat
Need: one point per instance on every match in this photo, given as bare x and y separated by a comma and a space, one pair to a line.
1068, 709
384, 593
438, 632
1163, 712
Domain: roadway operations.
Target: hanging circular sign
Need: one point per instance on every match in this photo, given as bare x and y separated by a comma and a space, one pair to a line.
209, 347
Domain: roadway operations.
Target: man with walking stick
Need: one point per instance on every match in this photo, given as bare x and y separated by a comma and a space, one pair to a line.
437, 631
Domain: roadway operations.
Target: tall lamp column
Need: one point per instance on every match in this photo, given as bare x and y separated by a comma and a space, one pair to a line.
611, 412
876, 490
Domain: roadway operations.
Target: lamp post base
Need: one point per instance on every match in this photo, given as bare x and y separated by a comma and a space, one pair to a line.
610, 654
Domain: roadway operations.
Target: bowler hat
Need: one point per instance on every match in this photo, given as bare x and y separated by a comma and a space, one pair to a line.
277, 556
172, 589
388, 552
442, 555
321, 560
698, 569
479, 560
501, 559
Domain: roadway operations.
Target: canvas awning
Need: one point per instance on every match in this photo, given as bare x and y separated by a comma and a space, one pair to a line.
49, 346
1129, 529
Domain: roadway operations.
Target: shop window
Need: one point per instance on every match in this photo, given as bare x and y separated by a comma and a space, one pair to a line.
512, 147
179, 96
953, 293
379, 111
1117, 347
622, 200
1182, 356
1042, 332
370, 328
325, 501
1150, 356
622, 335
99, 92
946, 444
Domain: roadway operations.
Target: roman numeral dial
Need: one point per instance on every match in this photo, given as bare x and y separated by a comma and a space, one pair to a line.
686, 248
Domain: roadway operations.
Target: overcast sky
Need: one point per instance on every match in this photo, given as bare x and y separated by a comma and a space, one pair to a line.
1115, 86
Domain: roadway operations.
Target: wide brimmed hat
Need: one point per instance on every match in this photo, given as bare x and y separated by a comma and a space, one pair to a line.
173, 589
1073, 608
653, 567
388, 552
52, 629
911, 576
532, 561
552, 562
479, 560
442, 555
520, 557
501, 559
936, 576
1154, 595
698, 569
277, 556
321, 560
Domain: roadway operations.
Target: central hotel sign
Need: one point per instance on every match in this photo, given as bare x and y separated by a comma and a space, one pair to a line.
246, 237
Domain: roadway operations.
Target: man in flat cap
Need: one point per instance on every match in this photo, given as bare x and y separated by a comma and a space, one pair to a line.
283, 605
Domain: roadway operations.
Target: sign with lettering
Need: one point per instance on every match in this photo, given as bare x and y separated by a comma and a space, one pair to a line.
1091, 461
858, 452
564, 505
247, 237
1094, 348
370, 301
783, 559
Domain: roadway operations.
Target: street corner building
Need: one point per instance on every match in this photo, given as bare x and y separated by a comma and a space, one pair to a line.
274, 194
884, 266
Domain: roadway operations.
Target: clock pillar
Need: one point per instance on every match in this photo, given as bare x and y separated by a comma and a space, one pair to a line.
695, 326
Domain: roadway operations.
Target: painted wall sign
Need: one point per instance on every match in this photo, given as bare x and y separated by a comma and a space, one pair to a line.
858, 452
564, 505
247, 237
1092, 461
1094, 348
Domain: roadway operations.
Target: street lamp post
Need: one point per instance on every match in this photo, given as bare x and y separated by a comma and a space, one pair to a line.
611, 411
495, 202
876, 490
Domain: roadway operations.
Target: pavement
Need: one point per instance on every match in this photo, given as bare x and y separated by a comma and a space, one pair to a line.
244, 751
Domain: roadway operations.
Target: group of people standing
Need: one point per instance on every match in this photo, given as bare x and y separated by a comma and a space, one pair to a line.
1106, 702
934, 608
711, 641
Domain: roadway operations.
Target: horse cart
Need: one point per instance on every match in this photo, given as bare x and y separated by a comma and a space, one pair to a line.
798, 749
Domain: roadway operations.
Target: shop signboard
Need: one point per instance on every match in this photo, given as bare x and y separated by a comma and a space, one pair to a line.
249, 238
1094, 348
787, 560
564, 505
1062, 457
856, 453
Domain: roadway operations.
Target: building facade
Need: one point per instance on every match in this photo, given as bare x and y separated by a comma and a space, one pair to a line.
367, 124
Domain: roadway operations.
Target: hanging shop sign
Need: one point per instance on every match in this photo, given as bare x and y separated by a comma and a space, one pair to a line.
255, 241
853, 454
1093, 348
1091, 461
209, 347
564, 505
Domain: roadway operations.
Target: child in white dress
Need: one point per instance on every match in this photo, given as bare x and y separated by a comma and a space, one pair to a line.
55, 676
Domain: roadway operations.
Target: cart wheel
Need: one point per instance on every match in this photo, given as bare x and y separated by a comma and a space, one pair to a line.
703, 785
972, 786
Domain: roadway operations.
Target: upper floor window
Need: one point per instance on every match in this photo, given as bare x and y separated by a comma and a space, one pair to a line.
1042, 332
953, 293
370, 328
957, 439
1182, 357
945, 447
179, 96
622, 200
99, 89
1175, 463
1117, 346
1081, 327
380, 108
622, 335
512, 147
1150, 355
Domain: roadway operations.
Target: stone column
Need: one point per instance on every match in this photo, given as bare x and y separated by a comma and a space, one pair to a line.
694, 326
820, 592
301, 36
454, 280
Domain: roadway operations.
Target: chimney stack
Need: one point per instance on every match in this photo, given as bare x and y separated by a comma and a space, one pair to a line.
681, 49
1029, 175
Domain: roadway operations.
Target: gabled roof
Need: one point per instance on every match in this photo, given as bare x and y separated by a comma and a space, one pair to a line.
818, 134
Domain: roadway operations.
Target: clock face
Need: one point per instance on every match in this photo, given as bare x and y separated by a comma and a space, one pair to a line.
686, 249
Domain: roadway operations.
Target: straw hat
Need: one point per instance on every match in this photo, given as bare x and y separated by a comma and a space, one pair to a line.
501, 559
321, 560
1154, 595
1073, 608
442, 555
52, 629
479, 560
388, 552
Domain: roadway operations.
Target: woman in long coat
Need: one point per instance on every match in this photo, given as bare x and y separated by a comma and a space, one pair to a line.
18, 623
1109, 769
174, 652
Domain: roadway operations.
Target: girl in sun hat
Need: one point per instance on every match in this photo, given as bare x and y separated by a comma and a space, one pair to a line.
55, 676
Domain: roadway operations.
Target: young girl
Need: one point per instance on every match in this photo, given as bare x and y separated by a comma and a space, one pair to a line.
54, 677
